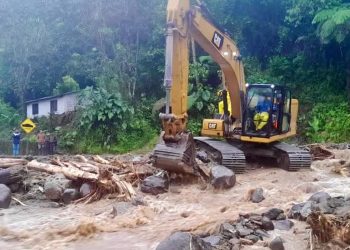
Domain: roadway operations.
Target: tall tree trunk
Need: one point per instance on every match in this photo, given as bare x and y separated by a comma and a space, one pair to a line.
348, 81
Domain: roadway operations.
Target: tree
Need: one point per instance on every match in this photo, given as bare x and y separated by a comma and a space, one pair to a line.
67, 85
333, 25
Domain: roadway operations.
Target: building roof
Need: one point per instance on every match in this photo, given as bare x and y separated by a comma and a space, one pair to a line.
50, 97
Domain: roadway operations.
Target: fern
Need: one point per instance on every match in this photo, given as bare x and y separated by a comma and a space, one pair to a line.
333, 23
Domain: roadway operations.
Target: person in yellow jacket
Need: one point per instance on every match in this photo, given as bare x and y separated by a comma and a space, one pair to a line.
261, 118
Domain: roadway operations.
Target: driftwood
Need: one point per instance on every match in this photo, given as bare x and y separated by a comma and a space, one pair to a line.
104, 180
319, 152
11, 162
330, 228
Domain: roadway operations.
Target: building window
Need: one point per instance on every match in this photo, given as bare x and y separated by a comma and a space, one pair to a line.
53, 106
35, 109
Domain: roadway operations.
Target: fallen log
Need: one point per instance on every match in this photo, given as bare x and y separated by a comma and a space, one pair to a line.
11, 162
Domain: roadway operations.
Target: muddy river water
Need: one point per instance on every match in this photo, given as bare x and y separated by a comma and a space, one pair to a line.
190, 207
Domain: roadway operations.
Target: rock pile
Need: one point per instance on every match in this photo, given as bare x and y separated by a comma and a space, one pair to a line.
247, 230
320, 202
328, 217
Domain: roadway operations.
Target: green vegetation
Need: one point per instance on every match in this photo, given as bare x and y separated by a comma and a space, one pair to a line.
67, 85
115, 49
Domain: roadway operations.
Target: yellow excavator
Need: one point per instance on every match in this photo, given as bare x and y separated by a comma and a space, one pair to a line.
252, 118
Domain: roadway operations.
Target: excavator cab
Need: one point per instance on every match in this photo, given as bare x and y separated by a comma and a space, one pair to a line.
267, 111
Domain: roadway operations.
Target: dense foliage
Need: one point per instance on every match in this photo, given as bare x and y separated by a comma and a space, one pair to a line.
117, 48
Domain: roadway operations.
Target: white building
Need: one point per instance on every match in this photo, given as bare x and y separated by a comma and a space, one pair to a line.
52, 105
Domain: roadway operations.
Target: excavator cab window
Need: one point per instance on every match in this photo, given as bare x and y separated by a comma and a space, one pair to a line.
266, 111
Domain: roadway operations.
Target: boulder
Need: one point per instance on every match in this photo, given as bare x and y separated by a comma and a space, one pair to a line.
15, 187
335, 202
86, 189
281, 217
228, 230
252, 237
243, 231
294, 212
121, 208
267, 224
283, 224
5, 196
203, 156
261, 233
273, 213
213, 240
53, 190
182, 241
155, 185
306, 210
319, 197
54, 186
70, 195
5, 176
322, 207
276, 244
258, 195
222, 177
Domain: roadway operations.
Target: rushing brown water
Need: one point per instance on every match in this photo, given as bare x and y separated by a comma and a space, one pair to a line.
185, 207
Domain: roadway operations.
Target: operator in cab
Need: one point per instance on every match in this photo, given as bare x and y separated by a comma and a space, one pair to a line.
261, 117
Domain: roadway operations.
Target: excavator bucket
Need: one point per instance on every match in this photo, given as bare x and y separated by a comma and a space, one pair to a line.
177, 157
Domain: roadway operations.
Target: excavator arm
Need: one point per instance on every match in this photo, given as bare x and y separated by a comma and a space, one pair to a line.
183, 23
176, 150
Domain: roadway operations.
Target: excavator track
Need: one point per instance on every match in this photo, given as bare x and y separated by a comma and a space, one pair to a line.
290, 157
226, 154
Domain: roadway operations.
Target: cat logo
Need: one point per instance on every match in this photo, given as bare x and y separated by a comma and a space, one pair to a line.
212, 125
218, 40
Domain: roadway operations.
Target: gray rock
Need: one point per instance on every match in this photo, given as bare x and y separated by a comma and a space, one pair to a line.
261, 234
336, 202
222, 177
319, 197
5, 175
294, 212
86, 189
343, 211
228, 230
155, 185
306, 210
273, 213
5, 196
283, 224
181, 241
281, 217
267, 224
122, 207
243, 231
70, 195
203, 156
258, 195
276, 244
322, 207
14, 187
53, 190
138, 201
253, 238
213, 240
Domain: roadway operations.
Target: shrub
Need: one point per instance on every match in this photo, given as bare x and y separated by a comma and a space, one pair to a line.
329, 122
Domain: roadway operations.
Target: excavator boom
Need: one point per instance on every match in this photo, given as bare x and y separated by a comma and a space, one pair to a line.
240, 123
